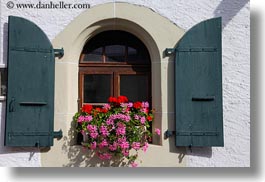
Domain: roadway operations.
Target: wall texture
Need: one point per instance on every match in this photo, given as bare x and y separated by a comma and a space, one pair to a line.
185, 14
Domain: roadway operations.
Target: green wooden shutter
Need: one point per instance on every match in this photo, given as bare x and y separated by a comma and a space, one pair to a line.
30, 91
198, 86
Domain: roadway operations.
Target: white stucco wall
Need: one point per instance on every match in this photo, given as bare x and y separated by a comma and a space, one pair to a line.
184, 13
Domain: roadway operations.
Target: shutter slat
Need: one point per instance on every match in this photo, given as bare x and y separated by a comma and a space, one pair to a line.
198, 86
30, 92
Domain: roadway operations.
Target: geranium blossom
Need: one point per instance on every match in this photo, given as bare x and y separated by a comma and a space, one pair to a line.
103, 144
125, 153
145, 104
119, 116
158, 132
104, 156
84, 119
134, 164
121, 129
113, 147
106, 106
145, 147
149, 118
116, 128
144, 110
104, 130
136, 145
93, 145
124, 145
142, 120
137, 105
87, 108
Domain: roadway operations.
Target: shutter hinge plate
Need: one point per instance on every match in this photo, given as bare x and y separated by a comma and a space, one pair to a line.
169, 51
58, 52
58, 134
192, 133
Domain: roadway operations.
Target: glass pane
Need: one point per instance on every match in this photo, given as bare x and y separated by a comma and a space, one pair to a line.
137, 55
94, 55
115, 53
97, 88
135, 87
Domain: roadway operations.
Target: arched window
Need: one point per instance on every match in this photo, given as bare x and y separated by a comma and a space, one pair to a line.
114, 63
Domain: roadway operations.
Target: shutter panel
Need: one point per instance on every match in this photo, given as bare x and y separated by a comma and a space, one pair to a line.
198, 86
30, 92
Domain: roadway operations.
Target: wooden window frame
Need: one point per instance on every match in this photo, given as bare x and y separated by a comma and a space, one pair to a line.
115, 71
134, 67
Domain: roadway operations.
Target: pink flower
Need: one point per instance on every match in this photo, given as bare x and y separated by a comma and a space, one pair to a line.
113, 147
125, 153
145, 147
123, 117
92, 131
145, 104
94, 135
124, 145
142, 120
104, 130
81, 119
120, 140
124, 105
158, 132
88, 118
93, 145
110, 122
121, 129
134, 164
106, 106
144, 110
103, 144
92, 128
136, 117
104, 156
136, 145
130, 104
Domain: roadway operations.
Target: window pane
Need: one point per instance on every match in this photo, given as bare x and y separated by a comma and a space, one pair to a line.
137, 55
135, 87
97, 88
94, 55
115, 53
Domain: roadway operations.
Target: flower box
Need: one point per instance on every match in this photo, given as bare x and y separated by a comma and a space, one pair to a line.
116, 128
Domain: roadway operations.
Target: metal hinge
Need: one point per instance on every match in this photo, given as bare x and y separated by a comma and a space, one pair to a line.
30, 49
55, 134
169, 134
190, 133
58, 52
171, 51
58, 134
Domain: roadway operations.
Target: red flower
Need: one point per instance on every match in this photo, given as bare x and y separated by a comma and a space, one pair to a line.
137, 105
112, 100
149, 118
87, 108
97, 110
104, 110
122, 99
